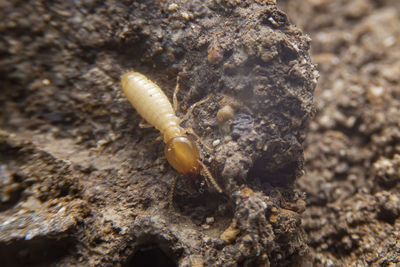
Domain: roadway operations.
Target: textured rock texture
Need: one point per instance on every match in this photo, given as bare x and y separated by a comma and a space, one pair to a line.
82, 183
353, 146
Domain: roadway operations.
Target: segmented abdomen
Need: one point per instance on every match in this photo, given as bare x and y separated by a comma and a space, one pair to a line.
150, 102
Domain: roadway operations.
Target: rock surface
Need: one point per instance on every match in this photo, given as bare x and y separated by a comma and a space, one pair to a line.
82, 184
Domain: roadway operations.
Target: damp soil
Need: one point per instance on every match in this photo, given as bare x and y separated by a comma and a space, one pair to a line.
307, 180
83, 184
352, 148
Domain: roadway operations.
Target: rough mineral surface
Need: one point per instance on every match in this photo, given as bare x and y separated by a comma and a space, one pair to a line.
81, 183
352, 150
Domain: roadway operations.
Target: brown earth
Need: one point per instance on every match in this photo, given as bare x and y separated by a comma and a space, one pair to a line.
352, 147
82, 184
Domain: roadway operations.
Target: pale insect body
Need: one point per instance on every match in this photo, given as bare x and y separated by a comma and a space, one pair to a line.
153, 105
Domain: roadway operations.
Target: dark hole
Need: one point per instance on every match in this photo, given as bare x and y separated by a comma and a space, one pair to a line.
284, 176
35, 252
150, 256
387, 216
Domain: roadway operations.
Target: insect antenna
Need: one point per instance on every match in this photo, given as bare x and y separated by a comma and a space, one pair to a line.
209, 176
191, 131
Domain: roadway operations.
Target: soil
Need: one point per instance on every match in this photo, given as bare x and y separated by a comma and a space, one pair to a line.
352, 148
83, 184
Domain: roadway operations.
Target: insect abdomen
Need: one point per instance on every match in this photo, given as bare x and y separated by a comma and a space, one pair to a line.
151, 103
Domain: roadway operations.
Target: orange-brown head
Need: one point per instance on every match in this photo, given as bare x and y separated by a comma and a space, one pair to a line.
183, 155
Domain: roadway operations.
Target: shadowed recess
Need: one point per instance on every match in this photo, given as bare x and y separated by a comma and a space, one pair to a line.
150, 255
37, 252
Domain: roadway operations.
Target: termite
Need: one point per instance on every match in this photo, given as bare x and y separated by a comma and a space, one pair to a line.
154, 107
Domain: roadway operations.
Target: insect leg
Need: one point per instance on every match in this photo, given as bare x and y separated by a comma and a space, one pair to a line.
192, 107
144, 124
176, 91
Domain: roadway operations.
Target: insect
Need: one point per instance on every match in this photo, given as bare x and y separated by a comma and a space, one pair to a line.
153, 105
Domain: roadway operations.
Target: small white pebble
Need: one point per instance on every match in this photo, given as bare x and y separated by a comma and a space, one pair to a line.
185, 15
216, 142
46, 82
376, 91
173, 7
209, 220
